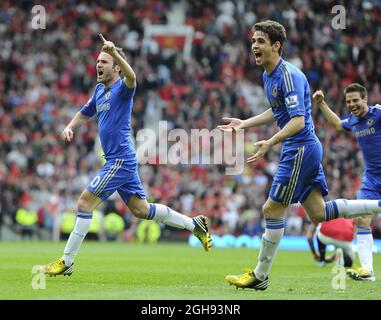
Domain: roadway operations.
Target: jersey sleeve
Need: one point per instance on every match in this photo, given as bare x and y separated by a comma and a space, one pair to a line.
377, 108
126, 92
90, 108
293, 87
346, 125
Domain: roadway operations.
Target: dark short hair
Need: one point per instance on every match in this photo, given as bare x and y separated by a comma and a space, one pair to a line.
274, 30
356, 87
120, 51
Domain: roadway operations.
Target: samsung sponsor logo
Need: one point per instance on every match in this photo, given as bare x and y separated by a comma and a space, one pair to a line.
104, 106
365, 132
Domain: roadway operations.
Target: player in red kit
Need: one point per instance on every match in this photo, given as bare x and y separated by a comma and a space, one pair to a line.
339, 233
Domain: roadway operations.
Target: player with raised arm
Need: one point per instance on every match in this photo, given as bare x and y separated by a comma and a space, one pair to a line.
365, 122
112, 103
300, 176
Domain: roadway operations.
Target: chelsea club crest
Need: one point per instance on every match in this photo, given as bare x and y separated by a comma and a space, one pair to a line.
108, 94
370, 122
274, 91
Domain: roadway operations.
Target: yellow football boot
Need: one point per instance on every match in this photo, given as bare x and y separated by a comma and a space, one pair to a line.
57, 267
201, 232
361, 274
247, 280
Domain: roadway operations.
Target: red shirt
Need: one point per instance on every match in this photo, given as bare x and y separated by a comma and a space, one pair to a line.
339, 229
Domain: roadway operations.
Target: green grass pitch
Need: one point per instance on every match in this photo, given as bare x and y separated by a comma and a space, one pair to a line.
167, 271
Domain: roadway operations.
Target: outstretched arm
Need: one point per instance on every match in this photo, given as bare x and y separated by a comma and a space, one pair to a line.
265, 117
331, 117
128, 72
78, 120
292, 127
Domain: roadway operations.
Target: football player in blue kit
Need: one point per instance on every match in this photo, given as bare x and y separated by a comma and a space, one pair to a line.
365, 123
112, 103
300, 175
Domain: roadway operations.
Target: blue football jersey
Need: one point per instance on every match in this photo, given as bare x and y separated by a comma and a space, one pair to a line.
367, 131
113, 107
288, 93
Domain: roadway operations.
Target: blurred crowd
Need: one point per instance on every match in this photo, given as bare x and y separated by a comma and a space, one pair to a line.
46, 75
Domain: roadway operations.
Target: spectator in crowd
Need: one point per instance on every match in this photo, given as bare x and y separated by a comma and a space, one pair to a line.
47, 75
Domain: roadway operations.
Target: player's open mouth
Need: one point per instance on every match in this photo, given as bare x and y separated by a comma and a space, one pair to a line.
257, 55
100, 73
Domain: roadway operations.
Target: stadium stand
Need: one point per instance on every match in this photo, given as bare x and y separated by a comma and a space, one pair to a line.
48, 74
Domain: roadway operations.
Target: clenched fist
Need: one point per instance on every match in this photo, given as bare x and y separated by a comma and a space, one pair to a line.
318, 97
